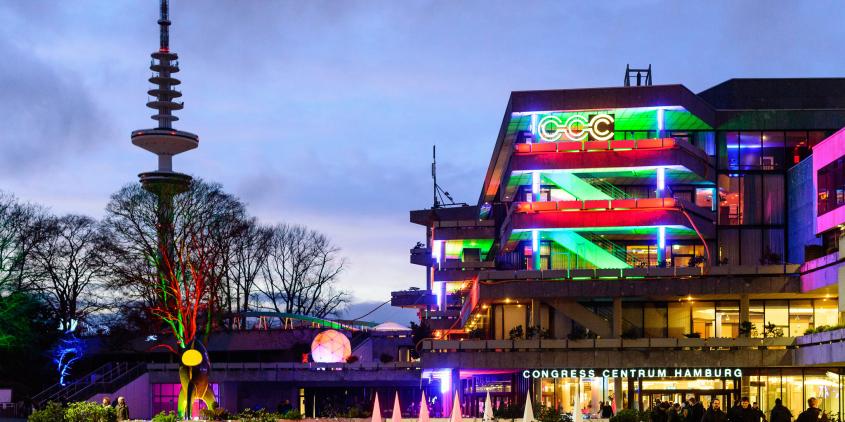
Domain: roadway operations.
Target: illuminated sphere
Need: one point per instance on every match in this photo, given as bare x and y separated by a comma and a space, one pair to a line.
330, 346
191, 357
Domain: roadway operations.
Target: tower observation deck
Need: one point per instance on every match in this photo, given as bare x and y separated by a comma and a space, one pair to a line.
164, 140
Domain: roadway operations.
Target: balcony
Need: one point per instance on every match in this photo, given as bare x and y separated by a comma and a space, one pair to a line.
464, 229
572, 217
412, 298
612, 154
421, 255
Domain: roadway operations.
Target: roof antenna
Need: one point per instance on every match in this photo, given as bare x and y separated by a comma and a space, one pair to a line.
439, 193
641, 76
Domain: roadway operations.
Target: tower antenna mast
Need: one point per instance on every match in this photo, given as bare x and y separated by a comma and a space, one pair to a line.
439, 193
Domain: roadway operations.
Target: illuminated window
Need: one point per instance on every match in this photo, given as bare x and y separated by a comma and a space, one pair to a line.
166, 397
825, 312
800, 317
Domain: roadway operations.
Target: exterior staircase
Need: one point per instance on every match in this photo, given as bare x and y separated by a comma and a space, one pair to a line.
105, 379
594, 249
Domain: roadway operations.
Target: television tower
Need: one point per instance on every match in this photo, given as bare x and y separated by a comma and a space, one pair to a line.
164, 140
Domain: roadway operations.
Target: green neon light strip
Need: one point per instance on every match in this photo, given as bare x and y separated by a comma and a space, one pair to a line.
455, 248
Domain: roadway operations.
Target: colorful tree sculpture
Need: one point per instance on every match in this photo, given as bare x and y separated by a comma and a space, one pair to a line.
183, 301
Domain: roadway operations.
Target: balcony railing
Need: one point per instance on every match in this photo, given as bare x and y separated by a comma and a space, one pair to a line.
648, 272
613, 145
606, 204
613, 343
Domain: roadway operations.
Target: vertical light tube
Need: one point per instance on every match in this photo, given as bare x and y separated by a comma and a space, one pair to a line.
661, 181
534, 128
661, 245
660, 122
535, 186
436, 251
661, 237
535, 248
437, 286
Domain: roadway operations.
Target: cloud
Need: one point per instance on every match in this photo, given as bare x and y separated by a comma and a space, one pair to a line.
46, 114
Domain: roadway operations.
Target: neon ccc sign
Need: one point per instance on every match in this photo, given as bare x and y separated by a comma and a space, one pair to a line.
577, 127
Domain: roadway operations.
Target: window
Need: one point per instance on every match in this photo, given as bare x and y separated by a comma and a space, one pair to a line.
800, 317
166, 397
777, 313
740, 199
654, 318
678, 316
632, 320
727, 319
704, 198
825, 312
756, 314
771, 155
831, 181
749, 151
704, 319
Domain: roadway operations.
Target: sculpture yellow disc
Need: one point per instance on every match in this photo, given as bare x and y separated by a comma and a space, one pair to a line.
191, 357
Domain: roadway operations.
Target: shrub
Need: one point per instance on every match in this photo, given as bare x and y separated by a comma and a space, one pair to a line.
53, 412
165, 417
626, 415
772, 330
294, 414
260, 415
215, 413
516, 333
86, 411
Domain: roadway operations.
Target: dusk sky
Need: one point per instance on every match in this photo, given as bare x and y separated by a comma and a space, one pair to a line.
324, 112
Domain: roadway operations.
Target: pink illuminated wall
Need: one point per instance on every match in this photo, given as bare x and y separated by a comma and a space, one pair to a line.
824, 153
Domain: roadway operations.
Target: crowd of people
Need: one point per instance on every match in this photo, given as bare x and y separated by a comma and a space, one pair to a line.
744, 411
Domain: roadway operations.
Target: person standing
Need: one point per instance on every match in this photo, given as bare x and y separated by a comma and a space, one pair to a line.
714, 413
780, 413
813, 413
758, 414
696, 411
122, 410
606, 411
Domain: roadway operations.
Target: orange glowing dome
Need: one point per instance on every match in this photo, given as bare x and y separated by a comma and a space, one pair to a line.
330, 346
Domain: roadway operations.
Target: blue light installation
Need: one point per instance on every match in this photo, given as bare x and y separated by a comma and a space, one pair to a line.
69, 350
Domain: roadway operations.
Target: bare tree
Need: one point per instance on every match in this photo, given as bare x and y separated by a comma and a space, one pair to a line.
250, 249
69, 266
206, 219
22, 228
302, 272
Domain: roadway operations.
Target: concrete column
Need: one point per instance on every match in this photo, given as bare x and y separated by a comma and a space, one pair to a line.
535, 320
744, 314
617, 317
617, 394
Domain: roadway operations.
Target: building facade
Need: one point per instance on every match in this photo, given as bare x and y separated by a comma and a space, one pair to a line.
640, 243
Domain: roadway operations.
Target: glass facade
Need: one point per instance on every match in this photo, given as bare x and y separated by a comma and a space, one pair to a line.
752, 193
706, 319
761, 385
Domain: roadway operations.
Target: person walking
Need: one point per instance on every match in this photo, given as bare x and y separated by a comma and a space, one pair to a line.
714, 413
122, 410
780, 413
813, 413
